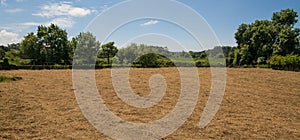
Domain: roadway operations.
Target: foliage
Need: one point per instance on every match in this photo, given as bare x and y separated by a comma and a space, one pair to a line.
48, 46
152, 60
53, 44
14, 57
202, 63
198, 55
259, 41
219, 51
148, 60
86, 48
108, 51
133, 51
286, 17
3, 49
30, 48
289, 62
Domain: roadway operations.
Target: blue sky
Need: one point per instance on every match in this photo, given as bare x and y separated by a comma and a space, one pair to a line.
19, 17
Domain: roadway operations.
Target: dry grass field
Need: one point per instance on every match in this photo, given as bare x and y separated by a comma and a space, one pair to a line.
258, 103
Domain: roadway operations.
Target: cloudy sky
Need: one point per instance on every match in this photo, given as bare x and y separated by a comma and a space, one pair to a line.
19, 17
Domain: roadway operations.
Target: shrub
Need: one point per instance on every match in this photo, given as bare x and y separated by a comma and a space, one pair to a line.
149, 60
289, 62
202, 63
152, 60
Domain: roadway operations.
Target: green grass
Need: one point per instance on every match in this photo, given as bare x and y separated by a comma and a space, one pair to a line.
4, 78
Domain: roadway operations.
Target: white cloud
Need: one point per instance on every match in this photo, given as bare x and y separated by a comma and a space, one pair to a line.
31, 24
20, 0
62, 9
151, 22
62, 22
15, 28
12, 11
3, 3
8, 37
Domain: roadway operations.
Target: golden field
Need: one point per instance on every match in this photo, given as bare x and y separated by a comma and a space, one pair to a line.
258, 103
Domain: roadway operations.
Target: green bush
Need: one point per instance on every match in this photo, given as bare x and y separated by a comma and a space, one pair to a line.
263, 66
148, 60
202, 63
58, 66
165, 62
261, 60
213, 62
289, 62
152, 60
186, 63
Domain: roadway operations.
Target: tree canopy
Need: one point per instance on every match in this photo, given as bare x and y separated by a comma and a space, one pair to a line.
260, 40
86, 46
48, 46
107, 51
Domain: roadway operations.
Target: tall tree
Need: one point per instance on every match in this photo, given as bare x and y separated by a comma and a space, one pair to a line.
86, 48
258, 41
54, 44
30, 48
108, 51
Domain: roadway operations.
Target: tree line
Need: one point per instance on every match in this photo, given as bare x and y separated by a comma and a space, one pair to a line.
263, 41
269, 43
51, 47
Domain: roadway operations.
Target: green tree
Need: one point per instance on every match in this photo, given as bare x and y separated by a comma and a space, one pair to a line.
286, 17
86, 48
72, 46
3, 49
133, 51
53, 42
129, 54
259, 41
108, 51
288, 39
30, 48
192, 54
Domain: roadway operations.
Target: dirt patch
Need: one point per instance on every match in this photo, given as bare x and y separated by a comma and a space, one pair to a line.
258, 103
